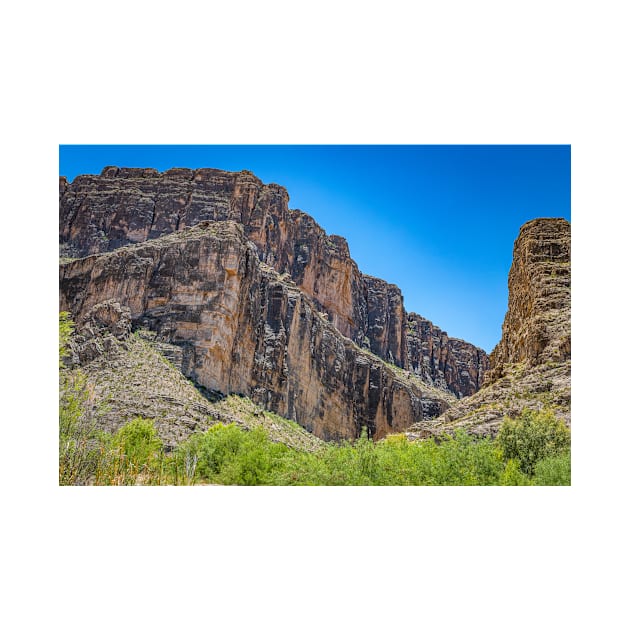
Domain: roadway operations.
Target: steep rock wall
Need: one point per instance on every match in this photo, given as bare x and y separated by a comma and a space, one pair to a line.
444, 362
243, 328
129, 205
537, 325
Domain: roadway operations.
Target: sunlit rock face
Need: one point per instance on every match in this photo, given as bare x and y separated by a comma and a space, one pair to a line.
244, 328
123, 206
537, 326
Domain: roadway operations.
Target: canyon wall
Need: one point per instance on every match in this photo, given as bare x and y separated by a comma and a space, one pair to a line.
444, 362
537, 325
244, 328
123, 206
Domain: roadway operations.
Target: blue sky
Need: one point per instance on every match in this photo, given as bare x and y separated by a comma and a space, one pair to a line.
438, 221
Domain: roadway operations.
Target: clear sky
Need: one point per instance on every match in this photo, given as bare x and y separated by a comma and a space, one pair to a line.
438, 221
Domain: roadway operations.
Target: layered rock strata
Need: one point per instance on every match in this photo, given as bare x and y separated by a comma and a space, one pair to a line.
244, 328
531, 366
537, 325
123, 206
442, 361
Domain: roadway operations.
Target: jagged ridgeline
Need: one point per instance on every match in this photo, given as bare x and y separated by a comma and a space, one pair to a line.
249, 297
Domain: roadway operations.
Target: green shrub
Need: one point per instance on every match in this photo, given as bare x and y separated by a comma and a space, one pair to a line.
554, 470
457, 460
131, 456
138, 442
66, 327
228, 455
533, 436
79, 450
462, 460
512, 475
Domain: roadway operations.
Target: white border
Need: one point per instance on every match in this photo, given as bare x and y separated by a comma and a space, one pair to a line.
483, 72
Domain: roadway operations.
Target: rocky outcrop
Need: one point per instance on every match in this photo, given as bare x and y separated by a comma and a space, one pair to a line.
448, 363
124, 206
546, 386
244, 328
127, 376
384, 333
531, 366
537, 326
99, 331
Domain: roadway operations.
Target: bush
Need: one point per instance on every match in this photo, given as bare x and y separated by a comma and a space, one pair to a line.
228, 455
131, 456
512, 475
533, 436
457, 460
554, 470
462, 460
79, 450
138, 442
66, 327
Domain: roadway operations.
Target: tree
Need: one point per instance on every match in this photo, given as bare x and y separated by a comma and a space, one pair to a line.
533, 436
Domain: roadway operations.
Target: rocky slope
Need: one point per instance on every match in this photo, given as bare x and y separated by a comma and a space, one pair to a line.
531, 366
241, 327
123, 206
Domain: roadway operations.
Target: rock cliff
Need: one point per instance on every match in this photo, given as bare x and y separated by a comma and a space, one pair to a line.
448, 363
130, 375
537, 326
531, 365
244, 328
123, 206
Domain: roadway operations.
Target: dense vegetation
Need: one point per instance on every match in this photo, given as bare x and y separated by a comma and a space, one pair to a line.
531, 450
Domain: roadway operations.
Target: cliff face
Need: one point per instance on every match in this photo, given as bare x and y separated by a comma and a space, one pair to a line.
124, 206
128, 373
531, 365
537, 326
243, 328
447, 363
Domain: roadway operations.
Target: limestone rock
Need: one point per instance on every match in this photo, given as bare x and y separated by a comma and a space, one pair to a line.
131, 378
122, 206
537, 326
244, 328
445, 362
98, 329
543, 386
